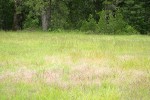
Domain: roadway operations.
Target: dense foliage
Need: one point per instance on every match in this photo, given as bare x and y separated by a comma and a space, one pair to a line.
137, 14
101, 16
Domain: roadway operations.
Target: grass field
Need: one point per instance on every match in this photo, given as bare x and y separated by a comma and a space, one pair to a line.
74, 66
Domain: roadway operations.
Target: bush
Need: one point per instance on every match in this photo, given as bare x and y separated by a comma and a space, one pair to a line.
31, 22
115, 25
59, 16
89, 25
102, 25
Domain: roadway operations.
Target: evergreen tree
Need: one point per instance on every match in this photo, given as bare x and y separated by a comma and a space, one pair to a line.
137, 14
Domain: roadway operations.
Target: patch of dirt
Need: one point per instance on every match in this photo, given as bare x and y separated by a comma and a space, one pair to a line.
87, 71
23, 74
132, 77
89, 75
82, 73
139, 77
51, 76
120, 76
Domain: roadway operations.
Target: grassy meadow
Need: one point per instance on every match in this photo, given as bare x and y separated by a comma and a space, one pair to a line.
74, 66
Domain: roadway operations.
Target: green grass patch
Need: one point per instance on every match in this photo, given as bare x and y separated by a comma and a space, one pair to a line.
73, 66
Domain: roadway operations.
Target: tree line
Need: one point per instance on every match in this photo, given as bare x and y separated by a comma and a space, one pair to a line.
107, 16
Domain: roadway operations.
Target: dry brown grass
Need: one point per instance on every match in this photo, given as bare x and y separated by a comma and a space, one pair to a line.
84, 72
22, 74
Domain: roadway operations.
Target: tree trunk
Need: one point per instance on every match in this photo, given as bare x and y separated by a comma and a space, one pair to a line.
46, 17
17, 16
15, 22
44, 21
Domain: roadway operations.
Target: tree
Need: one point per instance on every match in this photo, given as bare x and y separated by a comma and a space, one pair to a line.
40, 8
6, 14
80, 10
136, 13
70, 14
18, 14
46, 15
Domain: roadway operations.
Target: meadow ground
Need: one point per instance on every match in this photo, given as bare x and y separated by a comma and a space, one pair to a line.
74, 66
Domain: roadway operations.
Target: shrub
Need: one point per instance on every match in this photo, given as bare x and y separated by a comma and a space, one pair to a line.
115, 25
31, 22
89, 25
59, 16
